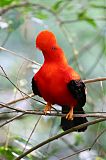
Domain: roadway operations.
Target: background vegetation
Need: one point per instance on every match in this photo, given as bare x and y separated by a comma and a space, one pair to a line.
80, 27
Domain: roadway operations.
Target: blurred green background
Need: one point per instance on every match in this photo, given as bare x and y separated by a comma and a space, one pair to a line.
80, 28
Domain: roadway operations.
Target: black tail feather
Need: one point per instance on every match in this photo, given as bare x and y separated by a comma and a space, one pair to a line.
67, 124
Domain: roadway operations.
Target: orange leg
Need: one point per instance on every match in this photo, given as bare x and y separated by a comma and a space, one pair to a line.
47, 107
69, 115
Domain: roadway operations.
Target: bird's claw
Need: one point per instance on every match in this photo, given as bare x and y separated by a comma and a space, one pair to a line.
47, 108
69, 115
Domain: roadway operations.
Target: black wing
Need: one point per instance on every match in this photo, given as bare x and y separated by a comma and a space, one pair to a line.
35, 88
77, 89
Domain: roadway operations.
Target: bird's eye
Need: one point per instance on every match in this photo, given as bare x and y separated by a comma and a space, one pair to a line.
54, 48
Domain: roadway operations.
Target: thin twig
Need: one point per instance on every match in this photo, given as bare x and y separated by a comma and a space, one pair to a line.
37, 112
32, 95
6, 39
82, 150
78, 20
69, 145
7, 112
20, 99
60, 135
15, 109
5, 75
98, 136
24, 4
32, 132
94, 80
20, 56
12, 119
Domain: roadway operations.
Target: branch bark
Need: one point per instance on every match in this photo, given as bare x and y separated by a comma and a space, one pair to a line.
20, 56
10, 120
94, 80
60, 135
24, 4
40, 112
82, 150
77, 20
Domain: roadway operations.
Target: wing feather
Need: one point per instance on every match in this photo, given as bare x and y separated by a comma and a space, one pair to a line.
77, 89
35, 87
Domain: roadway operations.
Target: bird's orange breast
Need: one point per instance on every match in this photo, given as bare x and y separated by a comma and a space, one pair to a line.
52, 83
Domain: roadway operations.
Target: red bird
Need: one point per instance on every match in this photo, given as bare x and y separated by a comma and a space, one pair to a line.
58, 83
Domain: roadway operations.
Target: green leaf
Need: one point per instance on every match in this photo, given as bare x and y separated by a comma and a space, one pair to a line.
41, 15
83, 16
20, 139
8, 2
5, 2
56, 6
91, 21
6, 153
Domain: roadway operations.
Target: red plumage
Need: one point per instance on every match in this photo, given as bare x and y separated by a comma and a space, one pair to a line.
55, 74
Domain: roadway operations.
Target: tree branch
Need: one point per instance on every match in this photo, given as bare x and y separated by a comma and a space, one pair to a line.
78, 20
20, 56
98, 136
60, 135
10, 120
32, 132
21, 99
82, 150
5, 75
38, 112
24, 4
94, 80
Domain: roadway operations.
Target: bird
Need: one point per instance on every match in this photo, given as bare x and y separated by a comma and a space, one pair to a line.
58, 83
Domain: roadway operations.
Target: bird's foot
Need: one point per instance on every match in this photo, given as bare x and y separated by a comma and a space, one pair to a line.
47, 108
69, 115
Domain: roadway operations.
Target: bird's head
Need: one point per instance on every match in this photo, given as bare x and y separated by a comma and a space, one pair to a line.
47, 43
45, 40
